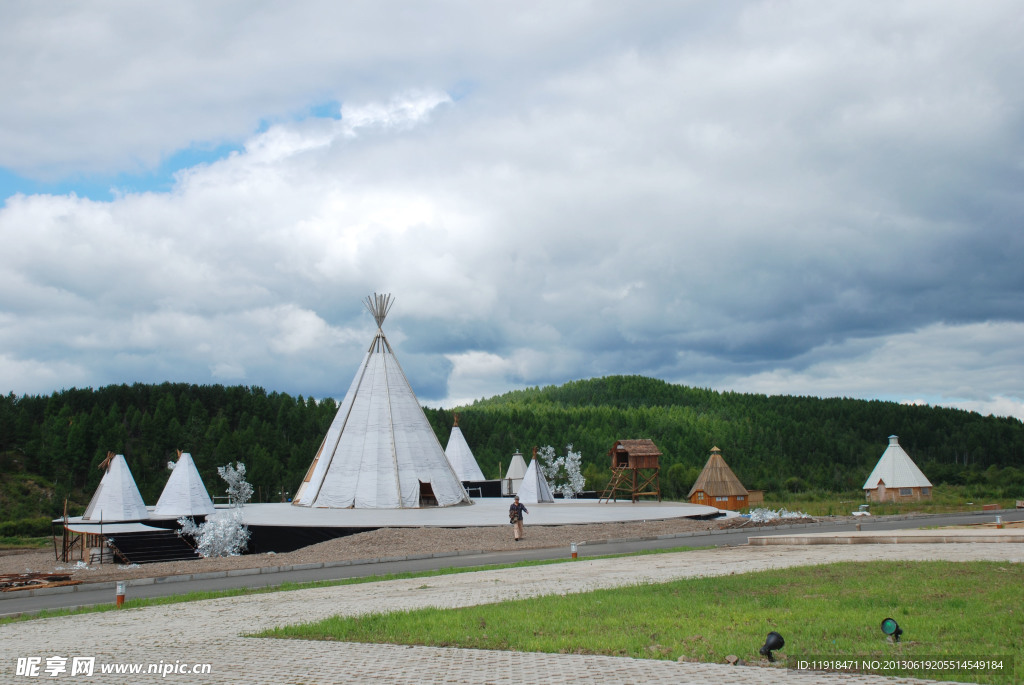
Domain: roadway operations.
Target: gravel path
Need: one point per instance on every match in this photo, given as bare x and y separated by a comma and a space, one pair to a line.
384, 542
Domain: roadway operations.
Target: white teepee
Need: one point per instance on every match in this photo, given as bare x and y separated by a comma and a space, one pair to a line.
896, 471
380, 451
534, 487
461, 457
184, 494
514, 475
117, 498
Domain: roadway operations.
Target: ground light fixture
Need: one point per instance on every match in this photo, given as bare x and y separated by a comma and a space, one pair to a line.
772, 642
891, 628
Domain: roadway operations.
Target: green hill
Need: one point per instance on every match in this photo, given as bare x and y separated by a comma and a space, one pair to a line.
26, 499
772, 443
769, 441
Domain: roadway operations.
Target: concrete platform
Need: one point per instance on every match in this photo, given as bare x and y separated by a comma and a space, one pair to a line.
283, 527
893, 537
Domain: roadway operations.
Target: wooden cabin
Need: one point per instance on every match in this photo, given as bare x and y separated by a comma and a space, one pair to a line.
635, 454
635, 470
717, 486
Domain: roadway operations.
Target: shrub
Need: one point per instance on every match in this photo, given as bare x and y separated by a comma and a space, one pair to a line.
37, 526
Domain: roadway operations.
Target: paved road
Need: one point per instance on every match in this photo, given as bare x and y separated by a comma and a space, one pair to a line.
211, 631
104, 594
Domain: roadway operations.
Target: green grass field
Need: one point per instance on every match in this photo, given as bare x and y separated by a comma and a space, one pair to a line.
20, 542
947, 610
946, 499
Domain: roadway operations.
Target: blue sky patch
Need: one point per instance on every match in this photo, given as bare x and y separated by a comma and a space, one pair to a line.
104, 187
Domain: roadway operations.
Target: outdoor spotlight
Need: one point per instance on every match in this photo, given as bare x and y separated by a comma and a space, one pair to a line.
772, 642
891, 628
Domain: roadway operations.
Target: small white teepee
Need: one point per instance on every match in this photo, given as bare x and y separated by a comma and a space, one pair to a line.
117, 498
380, 451
534, 487
184, 494
461, 457
514, 475
896, 476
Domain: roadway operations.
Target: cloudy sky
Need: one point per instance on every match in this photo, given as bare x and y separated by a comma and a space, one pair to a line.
809, 198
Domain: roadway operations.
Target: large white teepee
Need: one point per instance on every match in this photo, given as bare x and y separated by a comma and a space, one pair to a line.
184, 494
380, 451
117, 498
534, 487
460, 456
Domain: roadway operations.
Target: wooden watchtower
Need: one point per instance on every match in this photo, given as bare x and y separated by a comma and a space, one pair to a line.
635, 470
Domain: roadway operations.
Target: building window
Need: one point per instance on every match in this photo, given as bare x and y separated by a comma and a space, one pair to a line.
721, 499
924, 491
906, 492
740, 498
700, 495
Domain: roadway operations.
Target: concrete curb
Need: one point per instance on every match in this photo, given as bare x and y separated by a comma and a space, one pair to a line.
797, 540
911, 536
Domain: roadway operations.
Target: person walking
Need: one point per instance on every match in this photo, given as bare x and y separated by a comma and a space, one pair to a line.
515, 516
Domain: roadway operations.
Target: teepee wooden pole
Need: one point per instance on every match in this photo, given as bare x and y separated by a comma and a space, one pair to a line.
379, 306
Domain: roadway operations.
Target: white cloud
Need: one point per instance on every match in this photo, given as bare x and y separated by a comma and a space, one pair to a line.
401, 112
771, 197
975, 367
44, 375
227, 372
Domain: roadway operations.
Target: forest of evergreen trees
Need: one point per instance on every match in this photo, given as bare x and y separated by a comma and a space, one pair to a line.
770, 442
50, 445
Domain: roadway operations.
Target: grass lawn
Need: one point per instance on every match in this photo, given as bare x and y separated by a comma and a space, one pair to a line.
25, 542
946, 609
946, 499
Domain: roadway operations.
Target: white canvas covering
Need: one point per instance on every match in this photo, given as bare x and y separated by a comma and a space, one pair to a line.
184, 494
380, 447
117, 498
895, 469
514, 475
534, 487
76, 525
461, 457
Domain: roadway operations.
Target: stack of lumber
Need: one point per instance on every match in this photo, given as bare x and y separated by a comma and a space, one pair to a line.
33, 581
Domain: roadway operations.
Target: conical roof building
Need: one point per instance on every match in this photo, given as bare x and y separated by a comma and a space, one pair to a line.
184, 494
461, 457
896, 477
534, 487
718, 486
380, 451
514, 475
117, 498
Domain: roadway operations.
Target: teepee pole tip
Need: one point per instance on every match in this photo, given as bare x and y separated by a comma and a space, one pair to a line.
379, 306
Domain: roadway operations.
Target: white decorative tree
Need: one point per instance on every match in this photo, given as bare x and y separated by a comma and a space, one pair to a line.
562, 473
224, 533
239, 491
